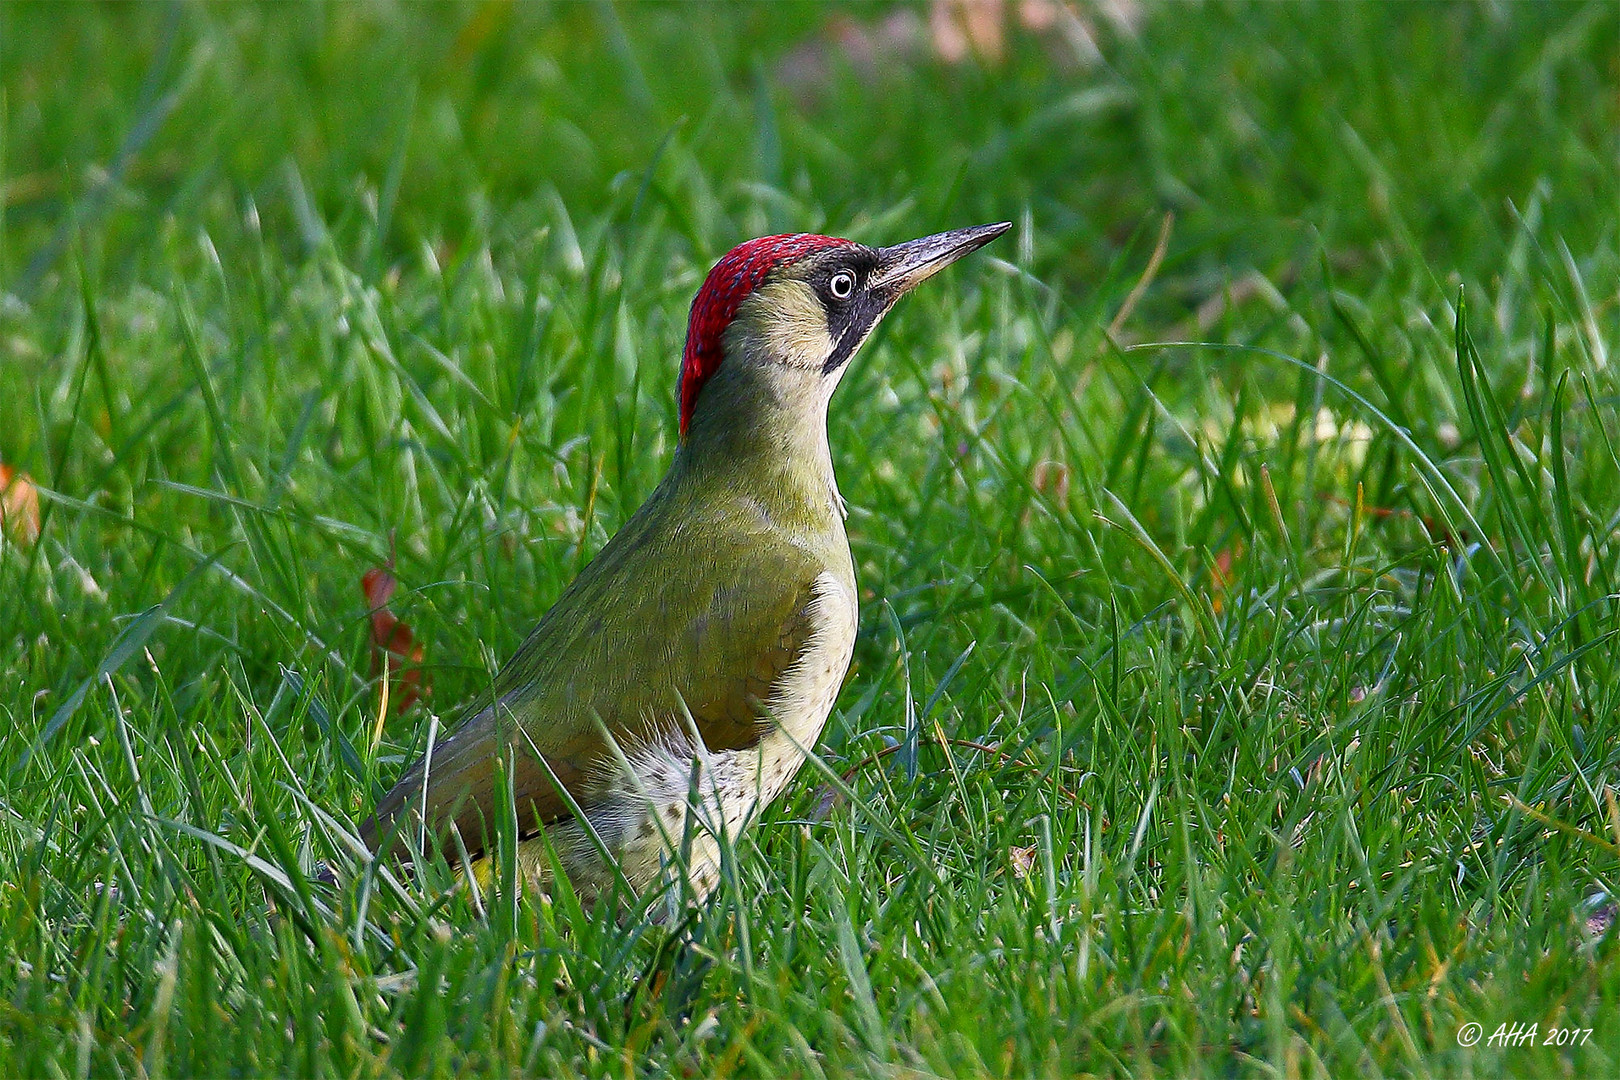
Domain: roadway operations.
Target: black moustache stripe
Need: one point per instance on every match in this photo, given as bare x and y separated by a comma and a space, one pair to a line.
857, 324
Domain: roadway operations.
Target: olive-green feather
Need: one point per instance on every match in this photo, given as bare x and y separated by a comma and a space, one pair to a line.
726, 616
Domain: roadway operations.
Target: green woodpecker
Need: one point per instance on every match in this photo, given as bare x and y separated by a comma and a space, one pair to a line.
674, 688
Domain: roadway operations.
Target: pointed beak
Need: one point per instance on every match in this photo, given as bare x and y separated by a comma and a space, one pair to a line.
903, 267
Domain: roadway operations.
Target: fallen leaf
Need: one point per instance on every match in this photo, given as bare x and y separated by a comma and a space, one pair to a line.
393, 644
19, 505
1221, 578
1051, 478
1023, 861
1437, 532
827, 800
959, 28
952, 32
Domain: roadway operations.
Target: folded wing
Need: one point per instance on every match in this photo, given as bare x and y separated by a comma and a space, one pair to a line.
715, 635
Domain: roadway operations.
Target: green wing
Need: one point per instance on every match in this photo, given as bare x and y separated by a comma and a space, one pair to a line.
709, 617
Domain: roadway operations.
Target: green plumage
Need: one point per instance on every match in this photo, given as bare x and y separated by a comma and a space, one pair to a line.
724, 608
700, 598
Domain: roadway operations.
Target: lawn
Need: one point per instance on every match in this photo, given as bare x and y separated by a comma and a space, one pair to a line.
1238, 681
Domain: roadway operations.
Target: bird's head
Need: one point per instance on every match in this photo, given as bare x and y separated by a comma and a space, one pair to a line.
778, 318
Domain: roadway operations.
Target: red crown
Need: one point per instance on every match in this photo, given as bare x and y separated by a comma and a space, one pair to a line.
736, 275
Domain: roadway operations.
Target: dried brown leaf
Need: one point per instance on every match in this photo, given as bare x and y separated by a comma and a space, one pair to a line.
19, 505
393, 643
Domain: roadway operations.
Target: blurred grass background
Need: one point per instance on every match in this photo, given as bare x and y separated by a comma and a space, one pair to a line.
1296, 650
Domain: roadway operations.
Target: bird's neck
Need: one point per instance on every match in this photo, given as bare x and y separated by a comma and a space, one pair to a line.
760, 430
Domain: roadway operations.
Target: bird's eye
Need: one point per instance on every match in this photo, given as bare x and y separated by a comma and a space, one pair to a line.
841, 285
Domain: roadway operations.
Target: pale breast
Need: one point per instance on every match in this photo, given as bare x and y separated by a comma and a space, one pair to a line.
644, 820
804, 695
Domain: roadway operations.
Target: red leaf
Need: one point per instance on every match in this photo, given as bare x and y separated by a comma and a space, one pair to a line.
1438, 533
1221, 577
19, 505
378, 585
393, 644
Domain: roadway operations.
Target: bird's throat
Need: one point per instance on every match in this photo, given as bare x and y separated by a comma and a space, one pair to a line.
761, 430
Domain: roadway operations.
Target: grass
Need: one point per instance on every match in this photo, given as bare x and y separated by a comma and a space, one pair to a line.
1296, 641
